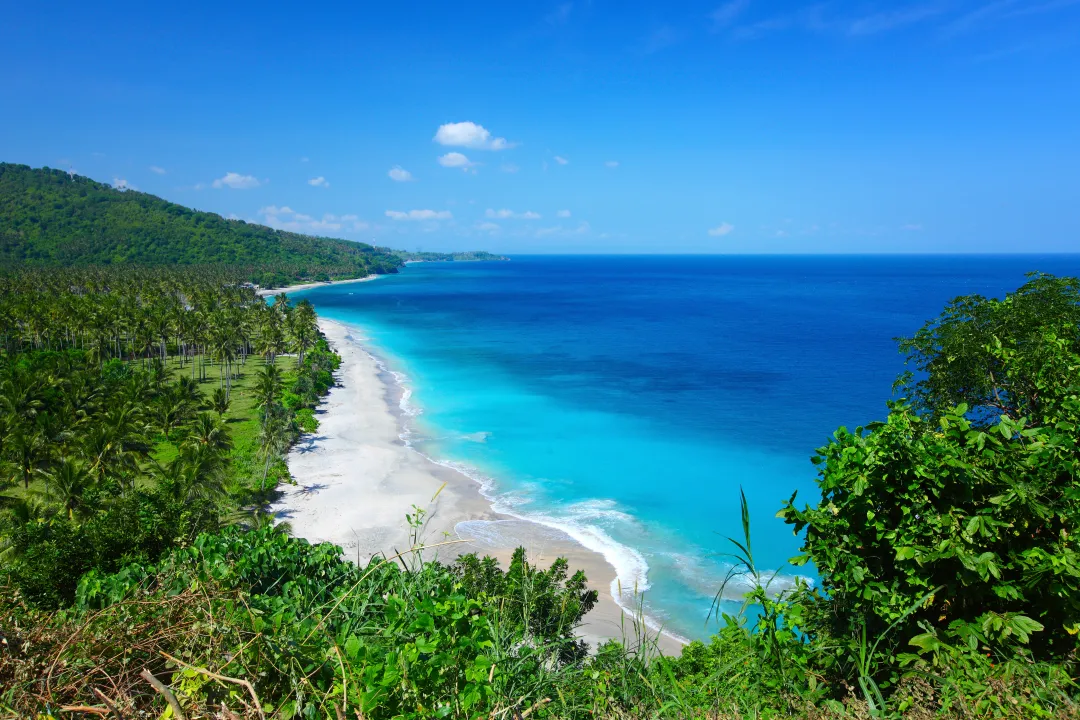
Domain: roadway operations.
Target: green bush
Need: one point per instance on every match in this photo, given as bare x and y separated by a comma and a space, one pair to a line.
306, 421
954, 527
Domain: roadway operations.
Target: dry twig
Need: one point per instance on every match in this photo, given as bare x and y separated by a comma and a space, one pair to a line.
223, 678
165, 692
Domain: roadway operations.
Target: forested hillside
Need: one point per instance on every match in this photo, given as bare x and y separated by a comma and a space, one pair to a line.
51, 218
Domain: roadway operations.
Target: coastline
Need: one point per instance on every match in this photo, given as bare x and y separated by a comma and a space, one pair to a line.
270, 292
357, 477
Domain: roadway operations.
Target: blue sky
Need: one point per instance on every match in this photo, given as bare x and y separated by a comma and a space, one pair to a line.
740, 126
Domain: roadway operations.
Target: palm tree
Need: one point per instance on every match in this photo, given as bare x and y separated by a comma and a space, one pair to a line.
219, 402
28, 449
68, 482
268, 384
21, 393
172, 410
274, 439
271, 339
117, 443
225, 351
208, 433
304, 329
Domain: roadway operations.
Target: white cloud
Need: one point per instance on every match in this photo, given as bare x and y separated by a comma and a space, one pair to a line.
275, 210
563, 214
236, 181
612, 163
470, 135
506, 214
400, 174
561, 160
285, 218
721, 229
488, 227
419, 215
582, 229
319, 182
455, 160
157, 170
893, 19
122, 184
726, 13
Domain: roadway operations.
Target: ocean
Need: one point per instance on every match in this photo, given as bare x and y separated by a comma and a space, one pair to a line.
627, 399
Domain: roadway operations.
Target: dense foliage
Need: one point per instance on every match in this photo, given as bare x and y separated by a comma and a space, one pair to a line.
145, 414
116, 443
951, 526
51, 218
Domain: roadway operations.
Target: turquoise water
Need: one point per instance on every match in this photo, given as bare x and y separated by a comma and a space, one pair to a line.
626, 400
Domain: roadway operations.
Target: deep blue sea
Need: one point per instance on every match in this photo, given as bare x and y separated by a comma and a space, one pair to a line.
627, 399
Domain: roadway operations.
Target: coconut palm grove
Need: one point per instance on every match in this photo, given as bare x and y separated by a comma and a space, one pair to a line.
149, 396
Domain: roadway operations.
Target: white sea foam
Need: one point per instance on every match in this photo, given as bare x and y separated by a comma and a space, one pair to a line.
708, 578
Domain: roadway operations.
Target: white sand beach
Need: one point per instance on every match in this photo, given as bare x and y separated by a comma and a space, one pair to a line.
357, 479
269, 292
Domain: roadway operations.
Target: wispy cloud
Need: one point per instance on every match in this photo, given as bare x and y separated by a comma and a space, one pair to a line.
582, 228
561, 160
285, 218
980, 14
612, 164
722, 229
563, 213
509, 168
893, 19
823, 18
419, 215
236, 181
488, 227
826, 18
810, 18
400, 174
157, 170
470, 135
506, 214
724, 15
319, 182
122, 184
999, 10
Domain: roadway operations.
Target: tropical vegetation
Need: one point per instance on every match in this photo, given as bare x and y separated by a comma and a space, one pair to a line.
145, 414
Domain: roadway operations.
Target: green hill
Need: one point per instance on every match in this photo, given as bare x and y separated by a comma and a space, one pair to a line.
51, 218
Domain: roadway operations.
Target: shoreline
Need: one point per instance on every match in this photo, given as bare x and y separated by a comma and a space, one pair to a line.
357, 476
270, 292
